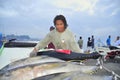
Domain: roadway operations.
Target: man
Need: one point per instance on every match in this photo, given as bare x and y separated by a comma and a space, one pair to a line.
108, 41
80, 42
61, 37
117, 42
89, 44
92, 42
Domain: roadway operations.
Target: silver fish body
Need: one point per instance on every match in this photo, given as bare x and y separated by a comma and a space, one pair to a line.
39, 70
29, 61
79, 76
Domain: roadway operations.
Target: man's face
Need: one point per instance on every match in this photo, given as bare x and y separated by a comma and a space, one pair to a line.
60, 26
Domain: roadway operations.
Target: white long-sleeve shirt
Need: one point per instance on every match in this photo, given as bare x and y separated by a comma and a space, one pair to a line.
64, 40
117, 43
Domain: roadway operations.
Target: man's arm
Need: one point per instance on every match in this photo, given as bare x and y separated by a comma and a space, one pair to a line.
44, 42
41, 44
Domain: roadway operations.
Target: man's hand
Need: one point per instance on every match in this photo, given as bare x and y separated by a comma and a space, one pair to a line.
34, 53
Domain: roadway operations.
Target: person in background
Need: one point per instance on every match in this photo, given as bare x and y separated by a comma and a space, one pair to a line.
92, 41
89, 44
51, 45
80, 42
1, 42
117, 42
108, 41
61, 37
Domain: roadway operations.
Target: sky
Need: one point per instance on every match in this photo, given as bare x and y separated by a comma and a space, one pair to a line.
85, 17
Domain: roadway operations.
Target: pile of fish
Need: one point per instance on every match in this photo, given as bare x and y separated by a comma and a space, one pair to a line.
49, 68
30, 68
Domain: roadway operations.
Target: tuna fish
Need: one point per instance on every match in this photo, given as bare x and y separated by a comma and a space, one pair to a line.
29, 61
39, 70
74, 76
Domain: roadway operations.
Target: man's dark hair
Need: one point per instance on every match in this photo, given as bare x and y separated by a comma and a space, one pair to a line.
52, 28
89, 38
80, 37
92, 36
60, 17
